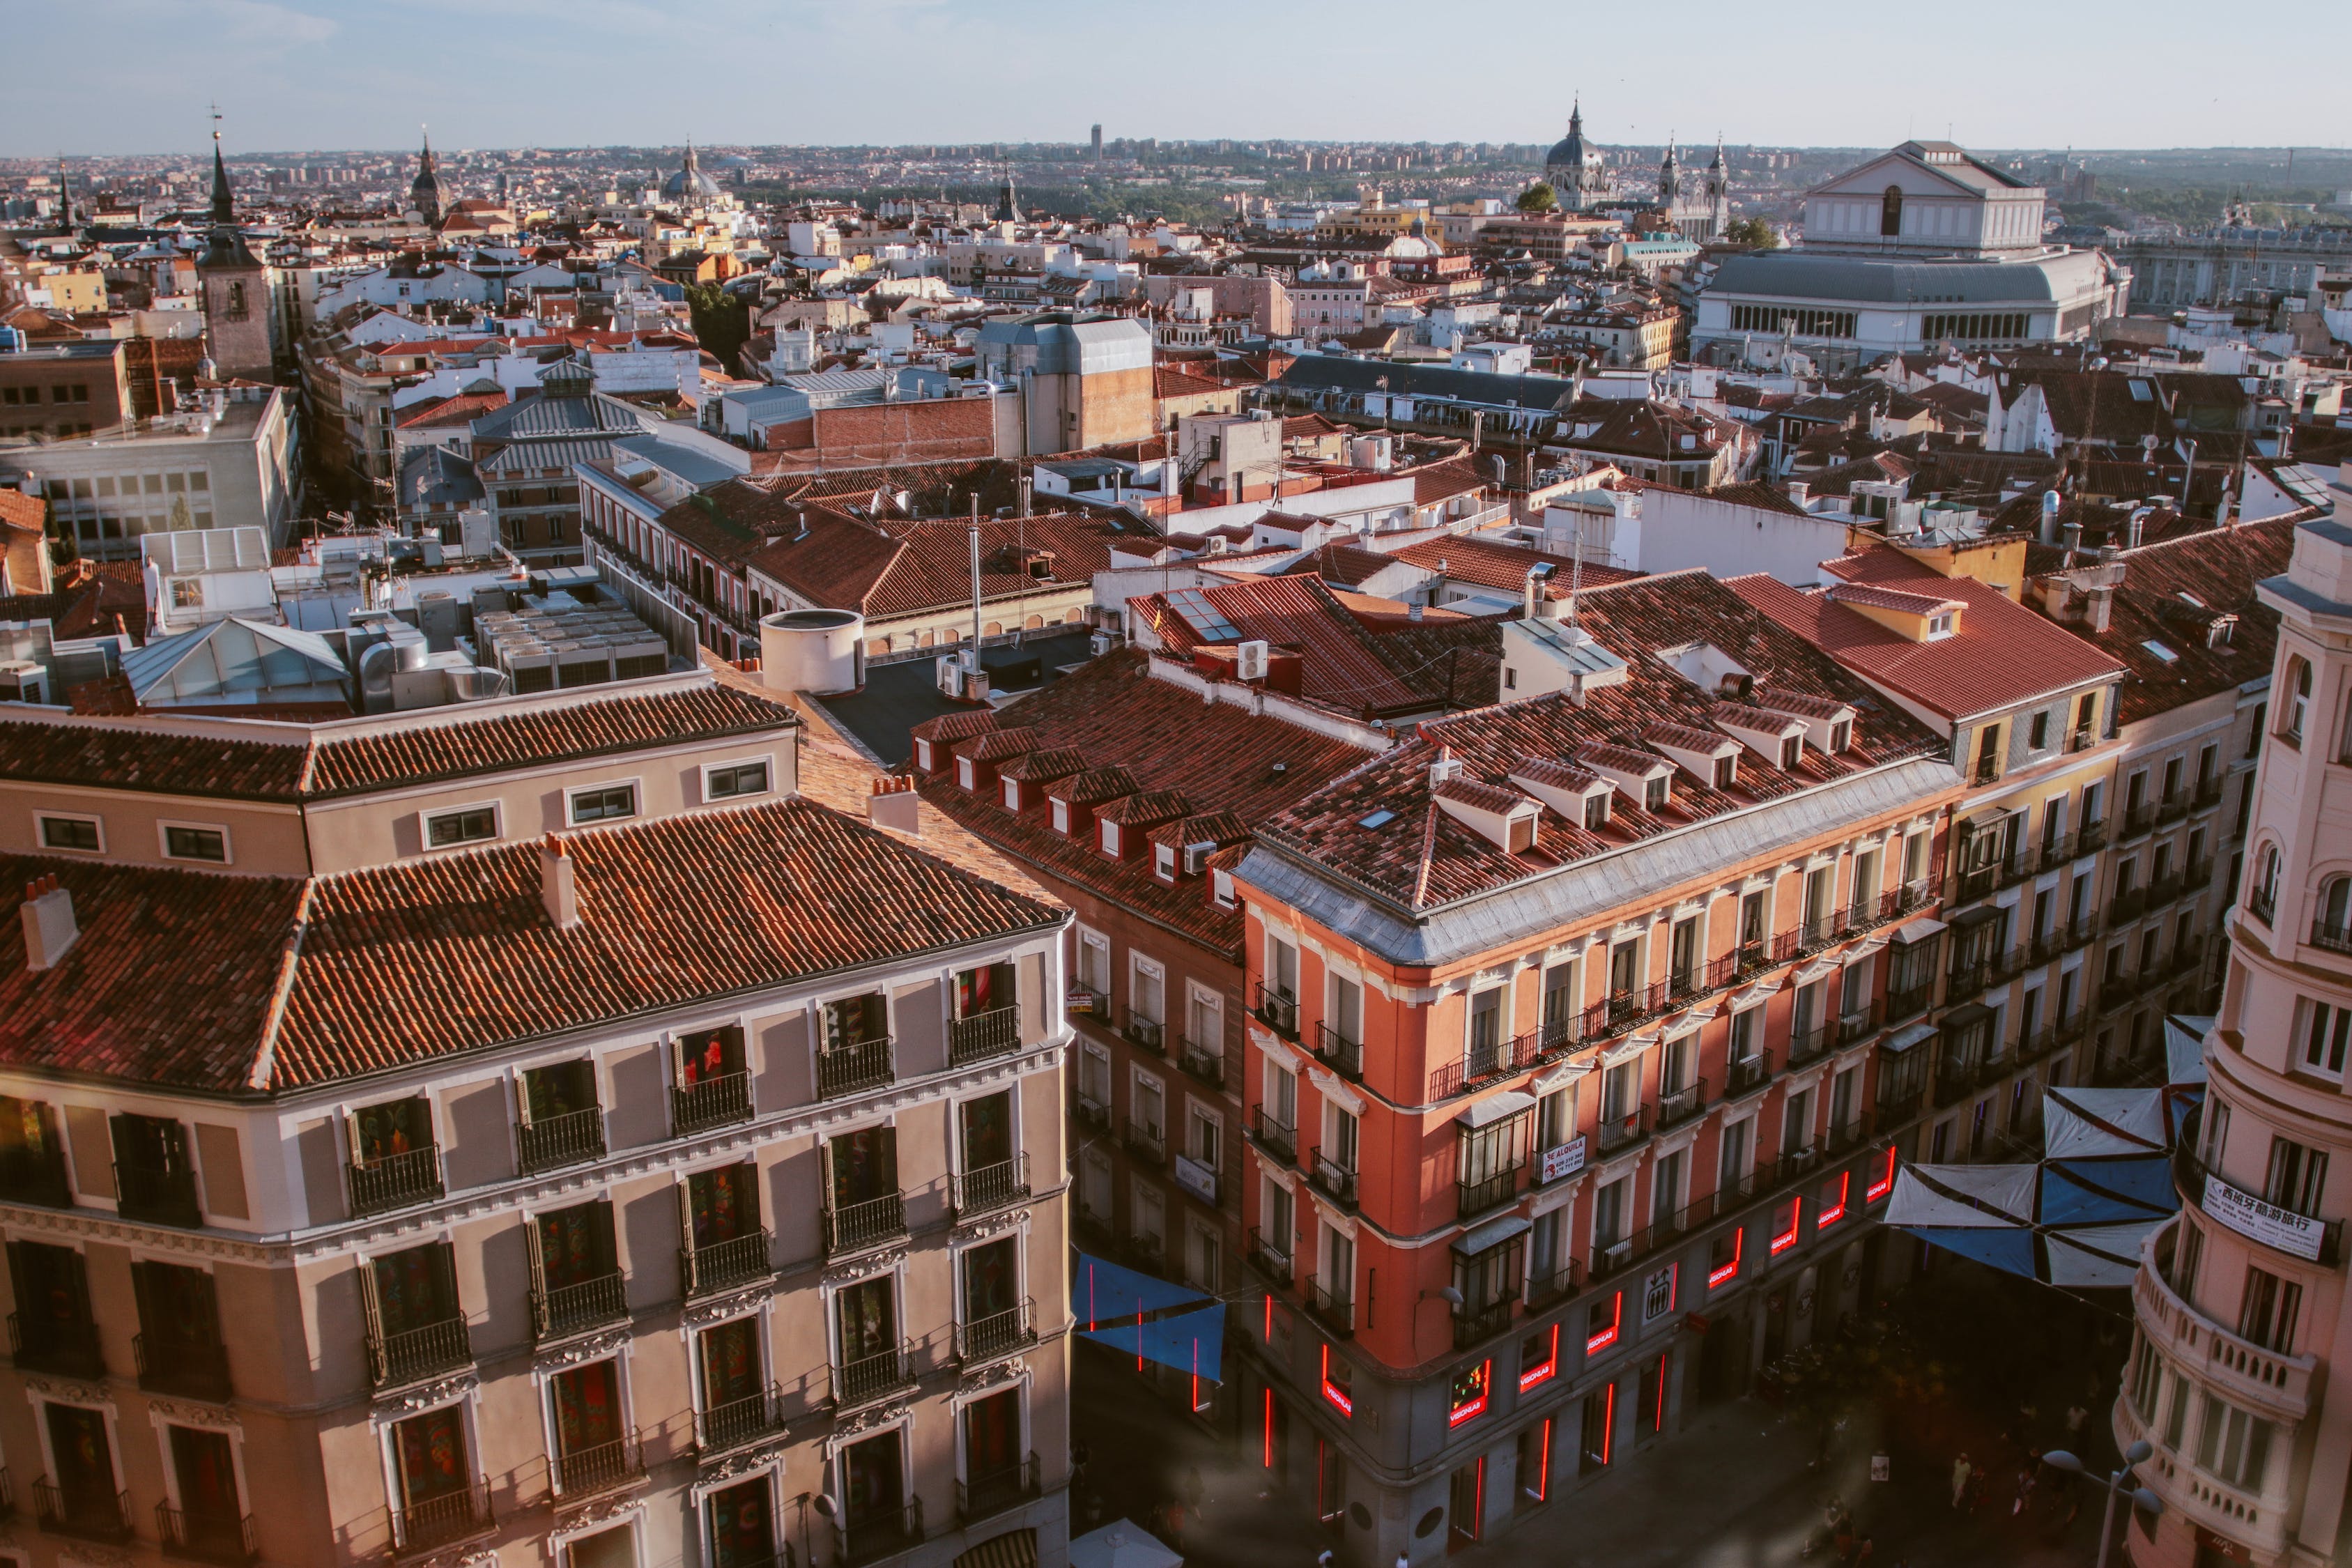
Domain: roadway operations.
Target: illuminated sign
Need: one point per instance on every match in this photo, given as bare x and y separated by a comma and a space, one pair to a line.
1335, 1389
1787, 1237
1731, 1270
1598, 1335
1833, 1206
1882, 1183
1469, 1394
1533, 1373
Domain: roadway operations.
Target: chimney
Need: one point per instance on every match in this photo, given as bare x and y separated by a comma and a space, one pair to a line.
895, 804
2074, 533
1801, 492
556, 887
2049, 517
49, 928
2102, 606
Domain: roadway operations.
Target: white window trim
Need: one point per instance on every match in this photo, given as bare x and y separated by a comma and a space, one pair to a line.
766, 760
1022, 1383
424, 820
637, 803
41, 838
543, 1384
163, 827
632, 1518
199, 1419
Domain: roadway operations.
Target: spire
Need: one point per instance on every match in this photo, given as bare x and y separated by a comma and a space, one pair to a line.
426, 159
65, 194
1716, 162
224, 206
1576, 114
225, 246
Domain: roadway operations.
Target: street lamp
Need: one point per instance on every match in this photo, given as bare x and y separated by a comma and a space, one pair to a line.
2060, 1459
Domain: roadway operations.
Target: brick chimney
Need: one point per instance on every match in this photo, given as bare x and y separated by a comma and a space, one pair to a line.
895, 804
49, 927
556, 887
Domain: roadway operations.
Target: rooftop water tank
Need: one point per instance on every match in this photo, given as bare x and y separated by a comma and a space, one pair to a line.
821, 652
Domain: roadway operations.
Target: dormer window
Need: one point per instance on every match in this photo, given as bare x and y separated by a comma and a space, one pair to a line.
1655, 792
1110, 837
1012, 793
965, 773
1062, 818
1726, 770
1596, 809
1939, 626
1792, 752
1840, 735
1163, 860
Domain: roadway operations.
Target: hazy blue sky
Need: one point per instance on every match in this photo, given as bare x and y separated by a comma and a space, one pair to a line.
116, 76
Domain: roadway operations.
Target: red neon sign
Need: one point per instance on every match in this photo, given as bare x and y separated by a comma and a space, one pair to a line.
1882, 1183
1608, 1336
1543, 1471
1541, 1372
1332, 1391
1269, 1428
1658, 1416
1836, 1211
1608, 1423
1788, 1238
1731, 1270
1470, 1393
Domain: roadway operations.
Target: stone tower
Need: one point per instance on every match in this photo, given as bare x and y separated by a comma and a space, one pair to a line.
425, 190
239, 327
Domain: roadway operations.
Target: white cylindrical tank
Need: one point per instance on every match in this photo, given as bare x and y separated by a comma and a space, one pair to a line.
821, 652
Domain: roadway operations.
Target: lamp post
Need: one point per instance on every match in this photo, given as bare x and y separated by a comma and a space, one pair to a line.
2116, 1485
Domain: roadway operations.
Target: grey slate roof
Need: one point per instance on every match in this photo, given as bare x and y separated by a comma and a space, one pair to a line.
1800, 275
1339, 374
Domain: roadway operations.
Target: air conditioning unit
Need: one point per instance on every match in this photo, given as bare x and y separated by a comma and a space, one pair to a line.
1249, 660
949, 672
1196, 857
21, 681
1101, 642
1619, 1252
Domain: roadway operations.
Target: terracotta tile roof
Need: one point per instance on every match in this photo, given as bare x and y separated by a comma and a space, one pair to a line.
461, 409
1909, 604
2000, 655
890, 567
1166, 380
1434, 482
949, 728
1498, 564
1421, 857
20, 510
1345, 665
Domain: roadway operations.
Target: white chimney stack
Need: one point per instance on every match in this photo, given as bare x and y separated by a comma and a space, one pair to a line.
893, 803
557, 889
49, 927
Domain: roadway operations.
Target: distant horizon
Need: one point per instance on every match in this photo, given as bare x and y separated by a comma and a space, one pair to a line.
597, 74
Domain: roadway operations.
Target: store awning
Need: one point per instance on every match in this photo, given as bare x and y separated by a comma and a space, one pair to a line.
1013, 1549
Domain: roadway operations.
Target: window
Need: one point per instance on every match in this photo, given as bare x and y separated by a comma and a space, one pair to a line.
1793, 753
82, 834
607, 803
1600, 1414
1939, 626
1596, 810
2267, 1312
187, 841
1726, 770
2325, 1033
469, 825
732, 781
2037, 734
2233, 1445
2298, 702
1654, 793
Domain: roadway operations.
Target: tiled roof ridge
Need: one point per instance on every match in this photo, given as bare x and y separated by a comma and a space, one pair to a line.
265, 1057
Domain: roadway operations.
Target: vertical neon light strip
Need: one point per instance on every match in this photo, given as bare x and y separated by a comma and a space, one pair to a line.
1609, 1423
1269, 1428
1543, 1476
1658, 1423
1796, 1223
1608, 1336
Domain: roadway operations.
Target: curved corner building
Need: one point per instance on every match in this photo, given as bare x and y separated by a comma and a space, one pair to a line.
2241, 1302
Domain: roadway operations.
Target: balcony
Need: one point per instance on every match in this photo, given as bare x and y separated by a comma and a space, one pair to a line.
2190, 1175
739, 1423
713, 1103
854, 1228
1335, 1310
1898, 1107
992, 1186
2331, 938
35, 1176
1475, 1198
869, 1064
1856, 1026
1909, 1000
723, 1264
1144, 1034
2126, 906
84, 1515
2199, 875
1277, 1010
2262, 906
194, 1368
1747, 1075
396, 1181
1482, 1063
1623, 1131
2092, 838
1341, 1054
875, 1377
2083, 738
2172, 808
66, 1346
1204, 1064
567, 1139
2164, 890
1795, 1164
1845, 1137
1809, 1045
873, 1533
1968, 979
982, 1035
205, 1537
1955, 1079
1557, 1285
604, 1468
1089, 1003
1271, 1261
992, 1491
1335, 1181
2056, 852
1090, 1112
2137, 820
1146, 1141
1278, 1138
2032, 1047
1480, 1321
157, 1193
431, 1523
1678, 1105
415, 1354
574, 1308
2208, 793
996, 1335
1147, 1253
2275, 1385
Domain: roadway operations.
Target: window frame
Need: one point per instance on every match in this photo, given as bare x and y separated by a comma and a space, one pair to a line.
424, 820
41, 819
164, 826
571, 798
766, 762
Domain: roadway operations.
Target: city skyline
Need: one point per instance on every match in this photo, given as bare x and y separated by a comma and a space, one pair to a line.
337, 76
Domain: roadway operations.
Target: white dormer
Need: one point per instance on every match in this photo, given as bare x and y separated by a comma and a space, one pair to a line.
1577, 794
1768, 735
1504, 818
1645, 779
1713, 760
1829, 724
1546, 656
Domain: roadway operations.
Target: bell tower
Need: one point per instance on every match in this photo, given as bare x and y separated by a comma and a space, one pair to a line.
239, 325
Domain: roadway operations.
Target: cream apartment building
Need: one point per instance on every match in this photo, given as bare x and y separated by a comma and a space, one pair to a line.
525, 1133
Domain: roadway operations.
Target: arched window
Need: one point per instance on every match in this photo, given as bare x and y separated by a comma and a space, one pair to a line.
2334, 927
2266, 882
1890, 212
2298, 700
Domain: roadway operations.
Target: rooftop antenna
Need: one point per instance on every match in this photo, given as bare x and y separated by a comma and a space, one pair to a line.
1575, 571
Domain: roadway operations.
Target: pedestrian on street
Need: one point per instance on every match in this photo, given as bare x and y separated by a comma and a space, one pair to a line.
2026, 1476
1961, 1470
2076, 1417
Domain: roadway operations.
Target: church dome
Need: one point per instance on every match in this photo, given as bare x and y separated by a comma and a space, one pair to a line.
690, 181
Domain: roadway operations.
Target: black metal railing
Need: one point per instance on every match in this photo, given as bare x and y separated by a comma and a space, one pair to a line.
1337, 1052
2172, 807
738, 1423
989, 1034
2127, 906
427, 1524
852, 1227
723, 1264
396, 1181
565, 1140
2209, 793
565, 1309
413, 1353
195, 1368
1206, 1063
1270, 1261
1335, 1308
2331, 938
1811, 1045
35, 1176
1624, 1131
1478, 1196
1147, 1141
66, 1346
2137, 819
1337, 1182
713, 1103
867, 1064
159, 1195
1275, 1136
85, 1513
993, 1490
997, 1334
992, 1186
1909, 999
868, 1378
2091, 836
2262, 906
1277, 1010
600, 1468
1481, 1321
1088, 1112
1847, 1135
1087, 1002
1678, 1105
197, 1536
877, 1532
1144, 1034
1744, 1074
1555, 1284
1955, 1078
2057, 850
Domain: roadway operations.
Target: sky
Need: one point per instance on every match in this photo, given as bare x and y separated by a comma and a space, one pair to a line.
138, 76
